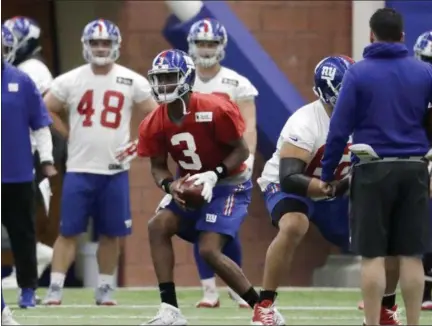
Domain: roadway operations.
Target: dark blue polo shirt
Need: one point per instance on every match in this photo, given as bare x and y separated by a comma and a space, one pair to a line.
383, 102
22, 108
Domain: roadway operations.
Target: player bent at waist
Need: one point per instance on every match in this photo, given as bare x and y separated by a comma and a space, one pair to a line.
294, 194
205, 139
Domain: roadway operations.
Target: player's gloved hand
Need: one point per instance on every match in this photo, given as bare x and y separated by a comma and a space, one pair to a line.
164, 202
208, 180
126, 153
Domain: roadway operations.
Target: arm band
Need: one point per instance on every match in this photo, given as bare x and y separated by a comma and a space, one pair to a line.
221, 171
165, 185
291, 176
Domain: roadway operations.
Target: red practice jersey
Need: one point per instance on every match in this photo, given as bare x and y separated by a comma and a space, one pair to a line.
201, 141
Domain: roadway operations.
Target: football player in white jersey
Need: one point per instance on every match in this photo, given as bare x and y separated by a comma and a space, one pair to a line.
290, 183
26, 56
423, 51
207, 41
99, 97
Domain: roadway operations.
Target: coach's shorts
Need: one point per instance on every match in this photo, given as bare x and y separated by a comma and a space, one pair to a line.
330, 216
224, 214
105, 198
390, 209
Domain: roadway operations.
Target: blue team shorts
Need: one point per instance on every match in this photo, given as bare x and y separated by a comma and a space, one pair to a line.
330, 216
224, 214
105, 198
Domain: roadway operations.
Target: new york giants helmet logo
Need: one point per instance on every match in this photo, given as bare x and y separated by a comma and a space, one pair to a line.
328, 77
423, 47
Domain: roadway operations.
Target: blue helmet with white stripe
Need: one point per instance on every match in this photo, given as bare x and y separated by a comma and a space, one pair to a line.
172, 75
423, 47
27, 34
328, 77
207, 42
101, 41
8, 44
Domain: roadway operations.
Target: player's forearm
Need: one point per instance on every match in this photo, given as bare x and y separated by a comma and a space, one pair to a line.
250, 137
59, 125
44, 144
239, 154
160, 174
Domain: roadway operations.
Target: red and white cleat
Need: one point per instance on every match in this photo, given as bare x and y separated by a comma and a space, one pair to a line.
390, 316
264, 314
426, 305
208, 303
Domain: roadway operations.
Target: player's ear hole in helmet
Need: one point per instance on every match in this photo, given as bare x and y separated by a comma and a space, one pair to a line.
207, 40
101, 40
172, 75
328, 77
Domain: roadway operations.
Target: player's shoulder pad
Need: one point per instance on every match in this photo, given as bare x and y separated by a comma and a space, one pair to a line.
74, 74
213, 102
303, 115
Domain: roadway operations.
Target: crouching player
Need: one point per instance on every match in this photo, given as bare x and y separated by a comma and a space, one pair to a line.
291, 186
204, 136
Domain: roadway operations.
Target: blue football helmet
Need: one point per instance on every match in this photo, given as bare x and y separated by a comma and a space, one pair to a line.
27, 33
8, 44
328, 77
423, 47
172, 75
101, 41
207, 42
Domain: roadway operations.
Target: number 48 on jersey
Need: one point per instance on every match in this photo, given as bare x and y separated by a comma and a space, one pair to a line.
110, 116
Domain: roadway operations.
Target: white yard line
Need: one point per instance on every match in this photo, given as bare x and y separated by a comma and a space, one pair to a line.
290, 308
187, 317
281, 289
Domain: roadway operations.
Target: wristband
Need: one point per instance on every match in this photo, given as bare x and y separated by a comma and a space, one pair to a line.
221, 171
165, 185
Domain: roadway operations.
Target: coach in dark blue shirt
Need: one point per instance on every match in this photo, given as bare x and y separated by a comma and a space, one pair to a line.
383, 103
22, 108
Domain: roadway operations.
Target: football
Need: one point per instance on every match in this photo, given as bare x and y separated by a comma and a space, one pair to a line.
192, 195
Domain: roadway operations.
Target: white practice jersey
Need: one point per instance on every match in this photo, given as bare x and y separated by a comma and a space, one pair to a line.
41, 76
100, 110
229, 83
307, 128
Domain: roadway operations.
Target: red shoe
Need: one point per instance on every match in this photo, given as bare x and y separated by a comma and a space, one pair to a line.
390, 316
426, 305
206, 303
263, 313
360, 305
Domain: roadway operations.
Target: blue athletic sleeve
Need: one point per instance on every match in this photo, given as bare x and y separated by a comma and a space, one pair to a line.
342, 125
38, 113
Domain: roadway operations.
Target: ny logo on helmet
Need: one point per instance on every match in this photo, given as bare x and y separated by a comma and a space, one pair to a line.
328, 73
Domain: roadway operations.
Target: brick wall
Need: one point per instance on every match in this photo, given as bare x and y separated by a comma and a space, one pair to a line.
296, 34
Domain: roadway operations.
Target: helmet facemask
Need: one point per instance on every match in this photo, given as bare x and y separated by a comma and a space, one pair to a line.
206, 53
101, 51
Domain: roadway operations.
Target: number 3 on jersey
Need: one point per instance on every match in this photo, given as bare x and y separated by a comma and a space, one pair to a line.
189, 152
86, 108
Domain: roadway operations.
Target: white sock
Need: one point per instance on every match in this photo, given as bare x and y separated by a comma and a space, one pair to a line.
209, 287
234, 295
105, 279
58, 279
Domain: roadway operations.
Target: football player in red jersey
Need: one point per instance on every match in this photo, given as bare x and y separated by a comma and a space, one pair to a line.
203, 133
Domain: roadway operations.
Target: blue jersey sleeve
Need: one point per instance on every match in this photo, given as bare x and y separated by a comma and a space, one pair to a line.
38, 113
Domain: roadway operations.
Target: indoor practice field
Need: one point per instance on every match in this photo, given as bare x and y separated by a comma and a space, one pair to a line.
307, 306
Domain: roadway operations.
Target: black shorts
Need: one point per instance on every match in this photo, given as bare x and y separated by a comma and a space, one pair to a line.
288, 205
389, 209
